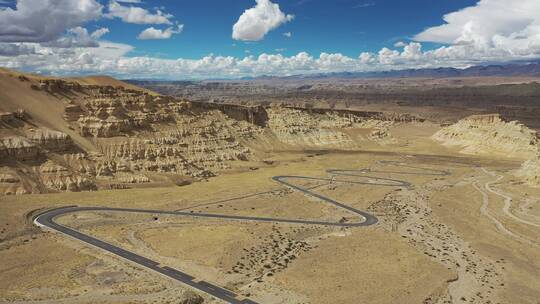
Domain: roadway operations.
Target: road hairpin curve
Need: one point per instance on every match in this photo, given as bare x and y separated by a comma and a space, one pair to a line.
47, 220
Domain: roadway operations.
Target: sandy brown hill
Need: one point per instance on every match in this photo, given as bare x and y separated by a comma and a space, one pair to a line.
106, 81
39, 106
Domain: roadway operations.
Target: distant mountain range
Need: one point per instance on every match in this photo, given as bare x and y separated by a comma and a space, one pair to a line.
500, 70
531, 70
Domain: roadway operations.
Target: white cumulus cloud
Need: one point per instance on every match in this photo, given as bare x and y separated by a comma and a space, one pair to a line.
257, 21
137, 15
45, 20
153, 33
77, 37
490, 29
366, 58
412, 51
111, 59
99, 33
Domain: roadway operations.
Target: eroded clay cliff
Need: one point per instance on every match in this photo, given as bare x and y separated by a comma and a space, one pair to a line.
118, 137
68, 135
493, 135
308, 128
490, 134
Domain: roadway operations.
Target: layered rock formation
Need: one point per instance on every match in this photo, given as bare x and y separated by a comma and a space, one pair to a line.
60, 135
123, 137
490, 134
299, 128
50, 140
302, 127
256, 115
18, 148
493, 135
530, 171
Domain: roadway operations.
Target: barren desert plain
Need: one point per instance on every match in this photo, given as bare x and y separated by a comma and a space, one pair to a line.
115, 194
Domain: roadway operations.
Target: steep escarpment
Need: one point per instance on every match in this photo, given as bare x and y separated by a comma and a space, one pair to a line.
60, 135
312, 128
256, 115
490, 134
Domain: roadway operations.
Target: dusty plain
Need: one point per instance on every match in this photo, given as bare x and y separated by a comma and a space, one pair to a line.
433, 242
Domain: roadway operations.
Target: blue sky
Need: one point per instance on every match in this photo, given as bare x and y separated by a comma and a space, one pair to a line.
336, 26
185, 39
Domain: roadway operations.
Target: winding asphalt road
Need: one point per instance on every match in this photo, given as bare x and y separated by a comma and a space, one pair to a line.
47, 221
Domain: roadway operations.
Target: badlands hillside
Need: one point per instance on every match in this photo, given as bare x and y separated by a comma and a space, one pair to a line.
84, 134
492, 135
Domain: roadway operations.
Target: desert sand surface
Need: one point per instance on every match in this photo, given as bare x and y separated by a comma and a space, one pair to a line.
457, 218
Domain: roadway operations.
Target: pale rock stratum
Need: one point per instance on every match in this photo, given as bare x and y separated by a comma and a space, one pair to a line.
490, 134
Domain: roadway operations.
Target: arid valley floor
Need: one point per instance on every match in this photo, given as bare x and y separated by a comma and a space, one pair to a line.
456, 199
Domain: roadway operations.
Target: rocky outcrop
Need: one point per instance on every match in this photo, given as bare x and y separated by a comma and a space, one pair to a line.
11, 182
73, 112
29, 148
530, 171
139, 132
196, 146
297, 127
56, 177
7, 117
136, 134
6, 178
256, 115
69, 183
18, 148
301, 127
365, 115
113, 115
490, 134
493, 135
51, 140
132, 178
57, 86
12, 119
